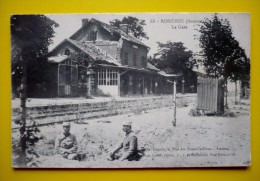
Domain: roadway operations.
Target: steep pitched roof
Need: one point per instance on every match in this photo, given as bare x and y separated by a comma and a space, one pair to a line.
95, 52
113, 30
92, 50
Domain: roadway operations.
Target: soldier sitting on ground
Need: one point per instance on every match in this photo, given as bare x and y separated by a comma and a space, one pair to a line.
66, 143
128, 145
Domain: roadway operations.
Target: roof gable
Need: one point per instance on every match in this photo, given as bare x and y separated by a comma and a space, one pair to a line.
93, 51
112, 30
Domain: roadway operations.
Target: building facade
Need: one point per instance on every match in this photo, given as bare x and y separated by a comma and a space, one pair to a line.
104, 60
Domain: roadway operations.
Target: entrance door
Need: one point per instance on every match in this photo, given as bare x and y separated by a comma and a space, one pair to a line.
67, 80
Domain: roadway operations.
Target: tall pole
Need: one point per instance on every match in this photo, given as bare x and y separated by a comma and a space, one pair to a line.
119, 83
235, 92
174, 103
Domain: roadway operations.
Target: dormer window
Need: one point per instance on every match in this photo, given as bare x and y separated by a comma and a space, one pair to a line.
67, 52
93, 35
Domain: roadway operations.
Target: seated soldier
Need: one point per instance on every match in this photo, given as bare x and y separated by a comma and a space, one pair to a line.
128, 145
66, 143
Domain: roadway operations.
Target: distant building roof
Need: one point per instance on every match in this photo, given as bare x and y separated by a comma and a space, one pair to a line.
111, 29
162, 73
151, 67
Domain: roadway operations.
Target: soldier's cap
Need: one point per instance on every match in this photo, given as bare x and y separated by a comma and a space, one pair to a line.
66, 124
127, 124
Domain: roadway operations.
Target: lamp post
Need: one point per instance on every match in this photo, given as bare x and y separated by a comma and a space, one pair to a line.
182, 81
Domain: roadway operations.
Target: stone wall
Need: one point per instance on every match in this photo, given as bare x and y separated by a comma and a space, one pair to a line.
75, 112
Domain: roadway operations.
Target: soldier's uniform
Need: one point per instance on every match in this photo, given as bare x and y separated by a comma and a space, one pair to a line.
128, 149
67, 146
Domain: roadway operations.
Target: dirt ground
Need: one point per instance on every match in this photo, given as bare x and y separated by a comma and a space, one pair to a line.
195, 141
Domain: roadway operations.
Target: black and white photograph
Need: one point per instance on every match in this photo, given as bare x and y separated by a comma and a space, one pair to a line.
130, 90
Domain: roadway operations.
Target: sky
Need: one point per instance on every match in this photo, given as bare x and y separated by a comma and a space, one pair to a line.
160, 27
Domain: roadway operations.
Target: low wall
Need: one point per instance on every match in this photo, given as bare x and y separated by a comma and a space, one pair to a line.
72, 112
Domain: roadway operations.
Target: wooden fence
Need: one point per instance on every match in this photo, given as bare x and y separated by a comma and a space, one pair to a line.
210, 94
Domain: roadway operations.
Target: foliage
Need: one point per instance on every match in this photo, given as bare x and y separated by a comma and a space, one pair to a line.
194, 112
229, 113
222, 54
174, 55
135, 25
238, 66
31, 36
138, 109
30, 136
178, 58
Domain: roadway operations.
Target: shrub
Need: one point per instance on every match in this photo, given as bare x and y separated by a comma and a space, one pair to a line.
195, 112
138, 109
229, 113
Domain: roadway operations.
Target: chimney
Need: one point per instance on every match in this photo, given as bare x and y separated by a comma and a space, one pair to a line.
84, 22
124, 28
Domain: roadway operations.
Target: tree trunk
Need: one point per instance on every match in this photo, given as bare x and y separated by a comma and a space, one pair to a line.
235, 92
226, 92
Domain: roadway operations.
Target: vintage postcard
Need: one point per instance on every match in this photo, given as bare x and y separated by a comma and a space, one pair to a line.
130, 90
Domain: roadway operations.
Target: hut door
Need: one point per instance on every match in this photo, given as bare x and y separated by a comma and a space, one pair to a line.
210, 94
67, 80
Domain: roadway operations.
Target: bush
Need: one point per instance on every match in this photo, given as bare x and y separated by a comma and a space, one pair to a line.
229, 113
138, 109
195, 112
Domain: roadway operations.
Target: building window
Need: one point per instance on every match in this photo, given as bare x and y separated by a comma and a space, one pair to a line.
134, 60
68, 62
107, 76
93, 35
126, 59
67, 52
